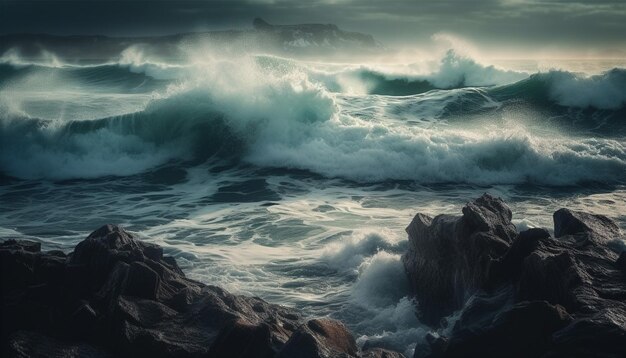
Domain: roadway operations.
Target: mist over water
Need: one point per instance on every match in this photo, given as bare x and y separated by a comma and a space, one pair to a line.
293, 179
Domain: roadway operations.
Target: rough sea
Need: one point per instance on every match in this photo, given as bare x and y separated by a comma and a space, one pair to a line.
293, 180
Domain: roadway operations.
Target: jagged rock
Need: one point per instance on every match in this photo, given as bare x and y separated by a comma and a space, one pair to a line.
601, 334
621, 261
509, 266
244, 339
523, 330
554, 277
123, 295
142, 281
543, 296
118, 296
381, 353
449, 256
320, 338
25, 344
25, 245
569, 222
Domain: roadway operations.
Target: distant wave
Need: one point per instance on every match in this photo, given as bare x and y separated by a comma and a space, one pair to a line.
453, 71
604, 91
101, 77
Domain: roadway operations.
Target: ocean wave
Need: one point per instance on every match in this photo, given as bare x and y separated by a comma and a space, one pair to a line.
350, 253
286, 119
103, 77
453, 71
190, 123
605, 91
378, 305
299, 128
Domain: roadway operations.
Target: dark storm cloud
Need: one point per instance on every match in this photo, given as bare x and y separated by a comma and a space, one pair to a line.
568, 23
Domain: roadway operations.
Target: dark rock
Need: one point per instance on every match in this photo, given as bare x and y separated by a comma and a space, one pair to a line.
243, 339
621, 261
142, 281
103, 249
489, 214
142, 312
118, 296
553, 277
83, 320
18, 267
437, 346
320, 338
123, 295
543, 297
449, 257
24, 245
509, 266
26, 344
381, 353
602, 334
524, 330
570, 222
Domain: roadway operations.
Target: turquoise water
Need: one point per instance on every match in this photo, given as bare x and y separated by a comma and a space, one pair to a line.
293, 180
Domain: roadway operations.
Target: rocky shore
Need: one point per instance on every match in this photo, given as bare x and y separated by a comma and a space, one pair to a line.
115, 296
524, 294
501, 294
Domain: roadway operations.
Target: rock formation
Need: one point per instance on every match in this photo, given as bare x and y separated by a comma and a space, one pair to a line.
118, 296
512, 294
449, 257
519, 295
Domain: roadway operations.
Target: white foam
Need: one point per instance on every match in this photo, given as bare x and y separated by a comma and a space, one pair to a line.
456, 70
387, 316
136, 59
365, 151
350, 252
284, 119
605, 91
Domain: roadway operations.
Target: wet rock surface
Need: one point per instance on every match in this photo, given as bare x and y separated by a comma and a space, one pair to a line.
519, 294
118, 296
449, 256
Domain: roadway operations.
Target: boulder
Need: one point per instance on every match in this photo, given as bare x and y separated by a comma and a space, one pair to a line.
523, 330
25, 344
541, 296
570, 222
119, 296
620, 263
123, 295
320, 338
381, 353
449, 256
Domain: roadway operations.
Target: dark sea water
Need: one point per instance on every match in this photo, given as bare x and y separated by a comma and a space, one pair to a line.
294, 180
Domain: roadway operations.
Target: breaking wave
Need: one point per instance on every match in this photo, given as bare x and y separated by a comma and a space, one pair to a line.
290, 118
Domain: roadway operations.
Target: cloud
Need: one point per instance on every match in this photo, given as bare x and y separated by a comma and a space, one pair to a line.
589, 23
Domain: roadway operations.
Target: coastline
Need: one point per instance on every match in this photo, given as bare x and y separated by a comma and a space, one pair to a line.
517, 294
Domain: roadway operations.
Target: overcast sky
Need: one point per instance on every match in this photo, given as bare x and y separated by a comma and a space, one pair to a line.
598, 25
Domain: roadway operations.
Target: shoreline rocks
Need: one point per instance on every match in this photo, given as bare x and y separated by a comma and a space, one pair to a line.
119, 296
521, 294
501, 293
449, 256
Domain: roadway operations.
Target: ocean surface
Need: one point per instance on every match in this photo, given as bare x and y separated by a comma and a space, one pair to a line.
293, 180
